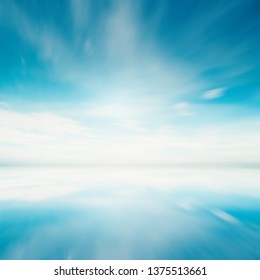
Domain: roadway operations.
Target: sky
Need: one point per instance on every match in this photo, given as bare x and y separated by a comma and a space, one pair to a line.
129, 82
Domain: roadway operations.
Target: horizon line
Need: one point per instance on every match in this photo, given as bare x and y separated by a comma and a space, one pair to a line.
137, 165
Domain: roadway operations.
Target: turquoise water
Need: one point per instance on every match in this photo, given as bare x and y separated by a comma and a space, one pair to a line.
129, 213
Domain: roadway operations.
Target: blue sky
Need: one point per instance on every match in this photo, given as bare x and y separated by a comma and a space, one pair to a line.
129, 82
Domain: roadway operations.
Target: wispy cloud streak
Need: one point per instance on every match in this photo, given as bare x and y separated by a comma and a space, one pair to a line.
124, 82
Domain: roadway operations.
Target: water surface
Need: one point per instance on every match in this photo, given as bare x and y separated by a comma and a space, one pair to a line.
129, 213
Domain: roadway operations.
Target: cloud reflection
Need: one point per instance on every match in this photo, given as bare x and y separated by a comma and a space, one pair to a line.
95, 213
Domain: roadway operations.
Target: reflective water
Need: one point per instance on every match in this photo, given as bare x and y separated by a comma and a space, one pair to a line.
129, 213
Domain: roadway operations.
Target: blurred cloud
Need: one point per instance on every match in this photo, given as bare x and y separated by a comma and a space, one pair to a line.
127, 185
183, 109
121, 81
214, 93
80, 10
49, 138
225, 216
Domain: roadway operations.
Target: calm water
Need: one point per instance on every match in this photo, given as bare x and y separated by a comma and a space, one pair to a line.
123, 213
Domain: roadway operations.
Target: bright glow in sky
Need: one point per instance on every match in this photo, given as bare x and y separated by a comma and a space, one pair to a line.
129, 82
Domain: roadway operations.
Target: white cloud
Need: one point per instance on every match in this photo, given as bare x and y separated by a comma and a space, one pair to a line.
133, 90
130, 66
49, 138
181, 105
225, 216
131, 125
31, 128
214, 93
183, 109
